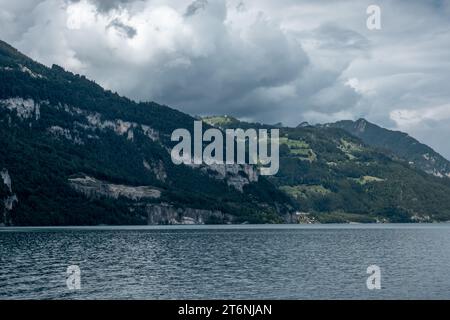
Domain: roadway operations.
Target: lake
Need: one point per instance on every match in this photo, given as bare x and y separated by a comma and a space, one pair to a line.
227, 262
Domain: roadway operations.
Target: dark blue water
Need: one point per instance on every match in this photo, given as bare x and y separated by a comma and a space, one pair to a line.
242, 262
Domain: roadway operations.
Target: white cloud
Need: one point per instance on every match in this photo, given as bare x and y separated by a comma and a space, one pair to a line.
405, 118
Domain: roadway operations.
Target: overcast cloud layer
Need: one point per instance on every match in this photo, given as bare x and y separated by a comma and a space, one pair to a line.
264, 60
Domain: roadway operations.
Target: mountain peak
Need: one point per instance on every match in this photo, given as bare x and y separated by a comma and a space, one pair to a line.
399, 144
303, 124
361, 120
361, 124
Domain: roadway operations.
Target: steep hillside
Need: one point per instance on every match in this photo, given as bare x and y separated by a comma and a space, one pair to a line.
74, 153
336, 177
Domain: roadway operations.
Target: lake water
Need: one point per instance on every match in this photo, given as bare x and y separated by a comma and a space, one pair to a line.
226, 262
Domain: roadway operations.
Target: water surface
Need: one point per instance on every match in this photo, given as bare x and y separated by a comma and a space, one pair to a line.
227, 262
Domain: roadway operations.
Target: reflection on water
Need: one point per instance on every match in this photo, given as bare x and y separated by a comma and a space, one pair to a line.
213, 262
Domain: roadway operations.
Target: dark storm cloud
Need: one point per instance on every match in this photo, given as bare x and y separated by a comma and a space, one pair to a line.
107, 5
194, 7
130, 32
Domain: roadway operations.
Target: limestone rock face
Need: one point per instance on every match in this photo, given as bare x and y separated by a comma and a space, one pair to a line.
168, 214
92, 187
24, 108
10, 200
235, 175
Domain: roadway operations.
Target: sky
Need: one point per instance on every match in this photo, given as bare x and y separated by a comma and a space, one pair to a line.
271, 61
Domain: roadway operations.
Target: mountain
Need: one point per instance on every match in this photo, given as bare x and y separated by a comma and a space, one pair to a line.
334, 176
398, 144
303, 124
73, 153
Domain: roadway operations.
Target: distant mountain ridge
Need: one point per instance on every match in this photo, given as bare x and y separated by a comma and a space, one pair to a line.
399, 144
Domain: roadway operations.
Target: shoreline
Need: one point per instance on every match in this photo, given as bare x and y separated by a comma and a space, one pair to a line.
234, 226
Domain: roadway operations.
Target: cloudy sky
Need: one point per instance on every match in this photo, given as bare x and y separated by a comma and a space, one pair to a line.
264, 60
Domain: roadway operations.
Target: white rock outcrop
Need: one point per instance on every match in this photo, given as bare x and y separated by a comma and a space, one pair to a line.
235, 175
58, 131
24, 108
92, 187
157, 168
10, 199
165, 213
6, 179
